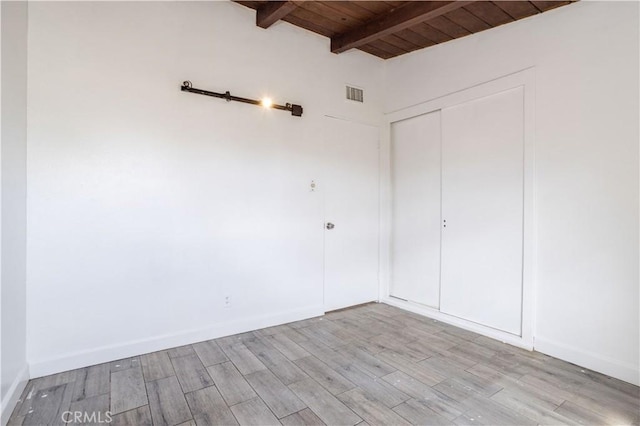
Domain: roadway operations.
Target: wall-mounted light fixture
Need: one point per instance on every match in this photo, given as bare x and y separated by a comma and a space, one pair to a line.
296, 110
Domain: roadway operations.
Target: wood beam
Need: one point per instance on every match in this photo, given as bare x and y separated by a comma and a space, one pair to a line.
272, 11
406, 16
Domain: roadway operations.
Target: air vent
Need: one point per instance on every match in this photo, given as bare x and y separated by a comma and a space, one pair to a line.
355, 94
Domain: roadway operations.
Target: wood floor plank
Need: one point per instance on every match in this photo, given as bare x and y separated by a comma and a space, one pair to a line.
275, 361
167, 403
305, 323
287, 347
320, 334
472, 351
391, 321
369, 345
367, 361
431, 345
544, 399
491, 416
325, 354
370, 409
481, 385
181, 351
339, 332
504, 348
125, 364
425, 375
304, 417
127, 390
512, 365
329, 378
254, 412
270, 331
418, 413
500, 379
92, 381
457, 332
581, 415
208, 407
601, 380
479, 409
612, 398
140, 416
373, 386
93, 410
412, 334
437, 402
294, 335
391, 344
408, 385
233, 387
417, 322
156, 365
382, 309
210, 353
40, 383
534, 408
274, 393
357, 327
15, 420
288, 372
25, 398
381, 327
48, 405
327, 407
615, 411
244, 360
190, 372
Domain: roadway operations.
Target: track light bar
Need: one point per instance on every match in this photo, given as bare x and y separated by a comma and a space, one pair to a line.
296, 110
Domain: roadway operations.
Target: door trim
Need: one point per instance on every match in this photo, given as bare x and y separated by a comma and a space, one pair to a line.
525, 79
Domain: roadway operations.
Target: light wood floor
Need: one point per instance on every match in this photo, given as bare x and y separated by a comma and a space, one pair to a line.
372, 364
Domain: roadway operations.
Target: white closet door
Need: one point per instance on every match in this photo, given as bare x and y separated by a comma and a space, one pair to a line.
415, 156
482, 210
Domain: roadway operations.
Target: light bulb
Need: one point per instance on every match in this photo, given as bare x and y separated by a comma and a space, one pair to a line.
266, 102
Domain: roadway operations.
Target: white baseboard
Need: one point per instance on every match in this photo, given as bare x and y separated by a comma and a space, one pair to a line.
590, 360
459, 322
13, 394
43, 367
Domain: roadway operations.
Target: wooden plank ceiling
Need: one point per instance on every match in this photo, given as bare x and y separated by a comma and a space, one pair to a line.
391, 28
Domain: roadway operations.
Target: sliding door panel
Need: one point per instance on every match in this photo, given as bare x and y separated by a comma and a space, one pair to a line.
482, 210
415, 156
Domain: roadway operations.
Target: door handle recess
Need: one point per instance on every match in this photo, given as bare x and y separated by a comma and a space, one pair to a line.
330, 226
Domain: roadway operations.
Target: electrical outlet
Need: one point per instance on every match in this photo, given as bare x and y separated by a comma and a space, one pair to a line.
227, 301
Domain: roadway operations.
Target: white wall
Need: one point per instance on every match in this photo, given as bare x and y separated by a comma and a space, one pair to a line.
586, 186
13, 144
148, 206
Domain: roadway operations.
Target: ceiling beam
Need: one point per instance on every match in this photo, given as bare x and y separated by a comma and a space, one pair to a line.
406, 16
272, 11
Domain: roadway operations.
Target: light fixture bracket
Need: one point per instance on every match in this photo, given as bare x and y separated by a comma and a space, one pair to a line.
187, 86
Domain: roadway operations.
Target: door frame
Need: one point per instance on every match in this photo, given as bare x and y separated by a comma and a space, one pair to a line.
526, 80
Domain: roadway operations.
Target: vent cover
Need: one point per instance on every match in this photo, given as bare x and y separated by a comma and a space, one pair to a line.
355, 94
